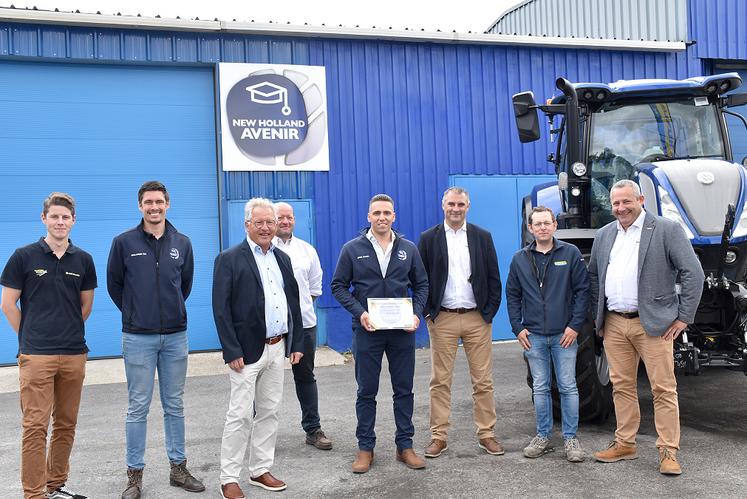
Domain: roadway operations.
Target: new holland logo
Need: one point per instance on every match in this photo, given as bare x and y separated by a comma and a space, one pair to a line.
705, 177
40, 272
72, 274
174, 253
402, 255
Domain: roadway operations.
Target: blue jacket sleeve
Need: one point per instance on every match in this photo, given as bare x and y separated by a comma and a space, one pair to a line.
188, 271
419, 284
514, 297
580, 288
115, 274
341, 284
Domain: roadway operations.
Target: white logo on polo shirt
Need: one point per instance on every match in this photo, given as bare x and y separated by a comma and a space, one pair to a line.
174, 253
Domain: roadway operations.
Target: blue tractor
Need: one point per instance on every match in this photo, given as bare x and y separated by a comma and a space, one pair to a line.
671, 137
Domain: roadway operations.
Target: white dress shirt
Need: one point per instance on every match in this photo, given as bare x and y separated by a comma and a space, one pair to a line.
276, 305
621, 282
308, 273
383, 255
458, 292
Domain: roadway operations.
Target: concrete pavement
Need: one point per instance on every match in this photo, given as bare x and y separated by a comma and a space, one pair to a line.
714, 433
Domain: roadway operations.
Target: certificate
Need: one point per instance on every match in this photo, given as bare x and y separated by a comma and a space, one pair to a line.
391, 313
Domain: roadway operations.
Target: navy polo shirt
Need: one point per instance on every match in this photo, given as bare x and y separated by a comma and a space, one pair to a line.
51, 319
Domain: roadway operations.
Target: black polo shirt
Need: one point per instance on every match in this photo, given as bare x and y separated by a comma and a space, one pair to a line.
51, 319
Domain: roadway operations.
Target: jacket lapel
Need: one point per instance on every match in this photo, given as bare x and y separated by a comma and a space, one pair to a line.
472, 244
247, 251
647, 231
442, 253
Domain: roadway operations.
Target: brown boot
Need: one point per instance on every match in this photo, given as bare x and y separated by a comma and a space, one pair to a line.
491, 446
134, 484
616, 451
436, 448
411, 460
181, 477
363, 461
668, 464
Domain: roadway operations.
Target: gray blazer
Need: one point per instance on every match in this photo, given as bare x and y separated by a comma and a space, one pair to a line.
664, 254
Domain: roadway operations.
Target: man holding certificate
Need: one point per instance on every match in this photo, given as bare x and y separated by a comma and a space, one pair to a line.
465, 292
389, 290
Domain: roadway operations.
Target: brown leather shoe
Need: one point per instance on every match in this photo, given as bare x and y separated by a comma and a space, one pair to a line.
231, 491
363, 461
411, 460
436, 448
491, 446
668, 464
268, 482
616, 451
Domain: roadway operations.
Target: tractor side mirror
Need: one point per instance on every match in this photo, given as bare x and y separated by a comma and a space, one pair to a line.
525, 112
734, 100
744, 161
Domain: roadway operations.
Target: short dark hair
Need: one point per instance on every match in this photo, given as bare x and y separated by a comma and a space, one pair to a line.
381, 197
541, 209
151, 185
59, 199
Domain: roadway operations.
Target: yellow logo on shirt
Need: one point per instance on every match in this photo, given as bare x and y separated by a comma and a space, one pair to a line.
40, 272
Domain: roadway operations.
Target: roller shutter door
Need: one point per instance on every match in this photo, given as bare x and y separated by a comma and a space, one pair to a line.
98, 132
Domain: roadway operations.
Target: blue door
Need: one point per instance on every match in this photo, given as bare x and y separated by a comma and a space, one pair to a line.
98, 132
495, 206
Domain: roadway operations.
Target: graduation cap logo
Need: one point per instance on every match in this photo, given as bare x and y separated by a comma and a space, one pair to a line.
269, 93
266, 116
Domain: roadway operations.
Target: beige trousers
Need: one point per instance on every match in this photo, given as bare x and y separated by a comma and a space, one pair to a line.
475, 334
625, 343
50, 385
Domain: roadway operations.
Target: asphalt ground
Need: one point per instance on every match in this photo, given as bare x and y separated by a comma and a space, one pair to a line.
714, 436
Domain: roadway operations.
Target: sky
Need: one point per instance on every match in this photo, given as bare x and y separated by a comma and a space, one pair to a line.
445, 15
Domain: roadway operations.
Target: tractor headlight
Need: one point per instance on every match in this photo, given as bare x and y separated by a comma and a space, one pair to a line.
669, 210
730, 257
741, 228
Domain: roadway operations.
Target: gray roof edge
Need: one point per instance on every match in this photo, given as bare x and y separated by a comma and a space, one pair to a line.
168, 24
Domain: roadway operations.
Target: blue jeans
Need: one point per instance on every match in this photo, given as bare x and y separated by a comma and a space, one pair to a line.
143, 355
544, 353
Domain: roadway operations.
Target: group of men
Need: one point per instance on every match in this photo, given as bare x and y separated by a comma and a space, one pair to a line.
263, 305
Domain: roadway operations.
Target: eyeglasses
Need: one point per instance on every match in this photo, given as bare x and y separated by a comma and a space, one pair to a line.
542, 224
264, 223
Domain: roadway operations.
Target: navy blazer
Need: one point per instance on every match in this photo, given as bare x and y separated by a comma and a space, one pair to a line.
239, 304
485, 276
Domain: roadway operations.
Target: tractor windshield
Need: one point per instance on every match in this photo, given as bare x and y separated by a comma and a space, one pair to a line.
624, 136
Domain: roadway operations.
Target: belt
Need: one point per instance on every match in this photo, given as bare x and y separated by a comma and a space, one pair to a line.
275, 339
626, 315
457, 310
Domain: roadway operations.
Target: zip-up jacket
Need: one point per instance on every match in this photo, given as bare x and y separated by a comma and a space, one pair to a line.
358, 267
547, 302
149, 279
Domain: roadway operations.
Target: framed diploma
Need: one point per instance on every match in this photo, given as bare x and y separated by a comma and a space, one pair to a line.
391, 313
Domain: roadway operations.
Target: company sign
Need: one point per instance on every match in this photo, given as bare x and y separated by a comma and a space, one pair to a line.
273, 117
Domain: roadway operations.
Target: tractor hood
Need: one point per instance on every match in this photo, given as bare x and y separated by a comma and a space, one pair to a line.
704, 188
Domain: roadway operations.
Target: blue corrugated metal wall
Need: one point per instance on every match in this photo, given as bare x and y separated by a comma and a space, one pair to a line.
402, 116
719, 29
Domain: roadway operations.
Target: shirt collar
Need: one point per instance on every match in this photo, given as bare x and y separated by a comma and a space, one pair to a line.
463, 228
276, 241
255, 247
70, 247
370, 236
637, 224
